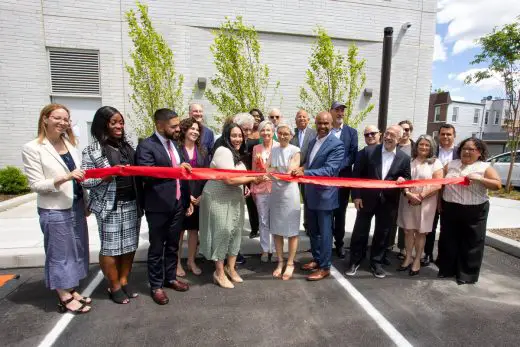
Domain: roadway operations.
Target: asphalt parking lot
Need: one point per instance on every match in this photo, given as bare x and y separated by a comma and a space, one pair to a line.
425, 310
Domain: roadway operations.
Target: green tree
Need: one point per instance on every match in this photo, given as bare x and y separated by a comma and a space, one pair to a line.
332, 76
439, 90
241, 81
153, 78
501, 52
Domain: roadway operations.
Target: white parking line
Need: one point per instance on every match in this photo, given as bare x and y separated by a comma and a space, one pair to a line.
53, 335
383, 323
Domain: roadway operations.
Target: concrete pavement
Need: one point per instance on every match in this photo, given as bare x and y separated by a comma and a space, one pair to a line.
21, 240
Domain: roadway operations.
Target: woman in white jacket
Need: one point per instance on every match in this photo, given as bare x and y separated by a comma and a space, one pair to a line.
52, 163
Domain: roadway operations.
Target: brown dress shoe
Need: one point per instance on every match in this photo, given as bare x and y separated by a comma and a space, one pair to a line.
160, 297
318, 275
310, 266
177, 285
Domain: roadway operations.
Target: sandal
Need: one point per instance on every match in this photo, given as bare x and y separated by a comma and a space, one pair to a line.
195, 270
84, 299
119, 296
287, 274
129, 291
277, 273
62, 307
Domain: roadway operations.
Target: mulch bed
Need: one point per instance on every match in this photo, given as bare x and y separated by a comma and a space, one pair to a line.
4, 197
513, 234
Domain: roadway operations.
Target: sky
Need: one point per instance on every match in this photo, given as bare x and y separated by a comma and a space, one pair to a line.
459, 24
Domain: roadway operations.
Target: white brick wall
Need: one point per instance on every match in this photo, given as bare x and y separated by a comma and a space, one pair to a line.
27, 27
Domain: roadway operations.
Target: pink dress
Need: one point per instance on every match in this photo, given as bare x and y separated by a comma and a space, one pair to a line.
419, 217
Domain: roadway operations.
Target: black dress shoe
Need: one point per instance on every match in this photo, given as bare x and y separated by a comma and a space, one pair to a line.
240, 259
340, 252
413, 273
426, 260
403, 268
253, 234
461, 282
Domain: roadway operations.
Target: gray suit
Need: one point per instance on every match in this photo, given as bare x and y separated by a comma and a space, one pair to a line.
310, 134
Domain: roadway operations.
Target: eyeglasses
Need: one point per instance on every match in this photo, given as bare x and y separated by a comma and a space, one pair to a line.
373, 134
471, 150
274, 117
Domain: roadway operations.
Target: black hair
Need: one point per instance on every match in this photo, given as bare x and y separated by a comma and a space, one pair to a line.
259, 113
226, 136
481, 147
186, 125
164, 114
99, 127
406, 121
447, 126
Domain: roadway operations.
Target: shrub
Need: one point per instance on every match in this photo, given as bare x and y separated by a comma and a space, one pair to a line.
13, 181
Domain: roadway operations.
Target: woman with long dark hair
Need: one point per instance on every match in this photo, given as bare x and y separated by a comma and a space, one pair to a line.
190, 144
221, 216
115, 201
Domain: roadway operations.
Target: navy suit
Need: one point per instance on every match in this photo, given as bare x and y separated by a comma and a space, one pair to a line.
430, 237
349, 137
208, 139
322, 200
381, 203
164, 212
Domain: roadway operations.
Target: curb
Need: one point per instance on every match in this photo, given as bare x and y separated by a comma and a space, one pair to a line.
14, 202
503, 244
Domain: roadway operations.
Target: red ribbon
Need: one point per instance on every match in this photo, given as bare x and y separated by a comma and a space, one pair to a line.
219, 174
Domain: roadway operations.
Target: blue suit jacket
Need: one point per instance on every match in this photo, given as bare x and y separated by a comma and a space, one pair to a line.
159, 193
349, 137
208, 139
327, 162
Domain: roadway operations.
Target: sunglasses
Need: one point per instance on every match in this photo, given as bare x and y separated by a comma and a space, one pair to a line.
274, 117
406, 130
373, 134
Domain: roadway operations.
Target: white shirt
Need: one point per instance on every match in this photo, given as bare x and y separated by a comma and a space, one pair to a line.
316, 147
445, 156
164, 142
337, 132
387, 160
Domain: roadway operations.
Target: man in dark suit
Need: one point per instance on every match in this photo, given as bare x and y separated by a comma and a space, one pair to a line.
349, 137
301, 139
325, 157
208, 137
446, 152
381, 162
166, 201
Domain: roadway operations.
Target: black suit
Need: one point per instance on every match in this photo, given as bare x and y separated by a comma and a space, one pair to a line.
430, 237
164, 212
383, 203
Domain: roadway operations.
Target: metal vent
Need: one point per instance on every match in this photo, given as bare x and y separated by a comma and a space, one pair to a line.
74, 71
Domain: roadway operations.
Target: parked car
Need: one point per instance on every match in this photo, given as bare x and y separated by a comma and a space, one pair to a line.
501, 163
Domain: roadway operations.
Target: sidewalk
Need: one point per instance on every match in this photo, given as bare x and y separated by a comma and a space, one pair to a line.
21, 240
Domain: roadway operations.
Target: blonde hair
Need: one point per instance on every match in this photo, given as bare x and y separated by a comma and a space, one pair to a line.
44, 114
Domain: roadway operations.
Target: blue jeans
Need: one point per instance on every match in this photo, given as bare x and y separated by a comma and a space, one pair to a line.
320, 229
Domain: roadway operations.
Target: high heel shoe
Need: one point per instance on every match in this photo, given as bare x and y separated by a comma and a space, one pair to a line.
224, 282
233, 275
404, 268
413, 272
194, 269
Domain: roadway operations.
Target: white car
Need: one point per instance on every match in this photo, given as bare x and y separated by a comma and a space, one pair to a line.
501, 163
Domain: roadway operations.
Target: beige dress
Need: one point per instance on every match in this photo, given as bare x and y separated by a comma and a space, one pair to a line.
419, 217
221, 216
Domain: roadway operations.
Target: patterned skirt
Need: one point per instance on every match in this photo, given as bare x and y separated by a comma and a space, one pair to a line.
221, 220
119, 231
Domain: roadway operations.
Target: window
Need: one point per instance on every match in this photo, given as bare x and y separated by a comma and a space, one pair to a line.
486, 118
496, 118
455, 115
435, 134
504, 158
476, 116
437, 114
74, 71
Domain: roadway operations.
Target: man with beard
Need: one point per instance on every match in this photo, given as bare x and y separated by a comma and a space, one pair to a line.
380, 162
166, 201
349, 138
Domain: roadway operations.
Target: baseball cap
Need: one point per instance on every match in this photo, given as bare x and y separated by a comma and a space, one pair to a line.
337, 104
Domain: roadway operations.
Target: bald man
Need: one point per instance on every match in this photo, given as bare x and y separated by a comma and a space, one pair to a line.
380, 162
275, 116
326, 153
208, 137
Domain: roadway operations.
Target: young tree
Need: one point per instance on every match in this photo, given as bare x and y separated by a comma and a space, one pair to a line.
332, 76
501, 51
153, 78
241, 81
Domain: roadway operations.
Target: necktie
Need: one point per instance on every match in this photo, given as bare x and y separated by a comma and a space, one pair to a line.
174, 164
300, 137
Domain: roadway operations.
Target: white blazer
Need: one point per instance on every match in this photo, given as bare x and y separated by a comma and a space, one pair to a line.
42, 165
